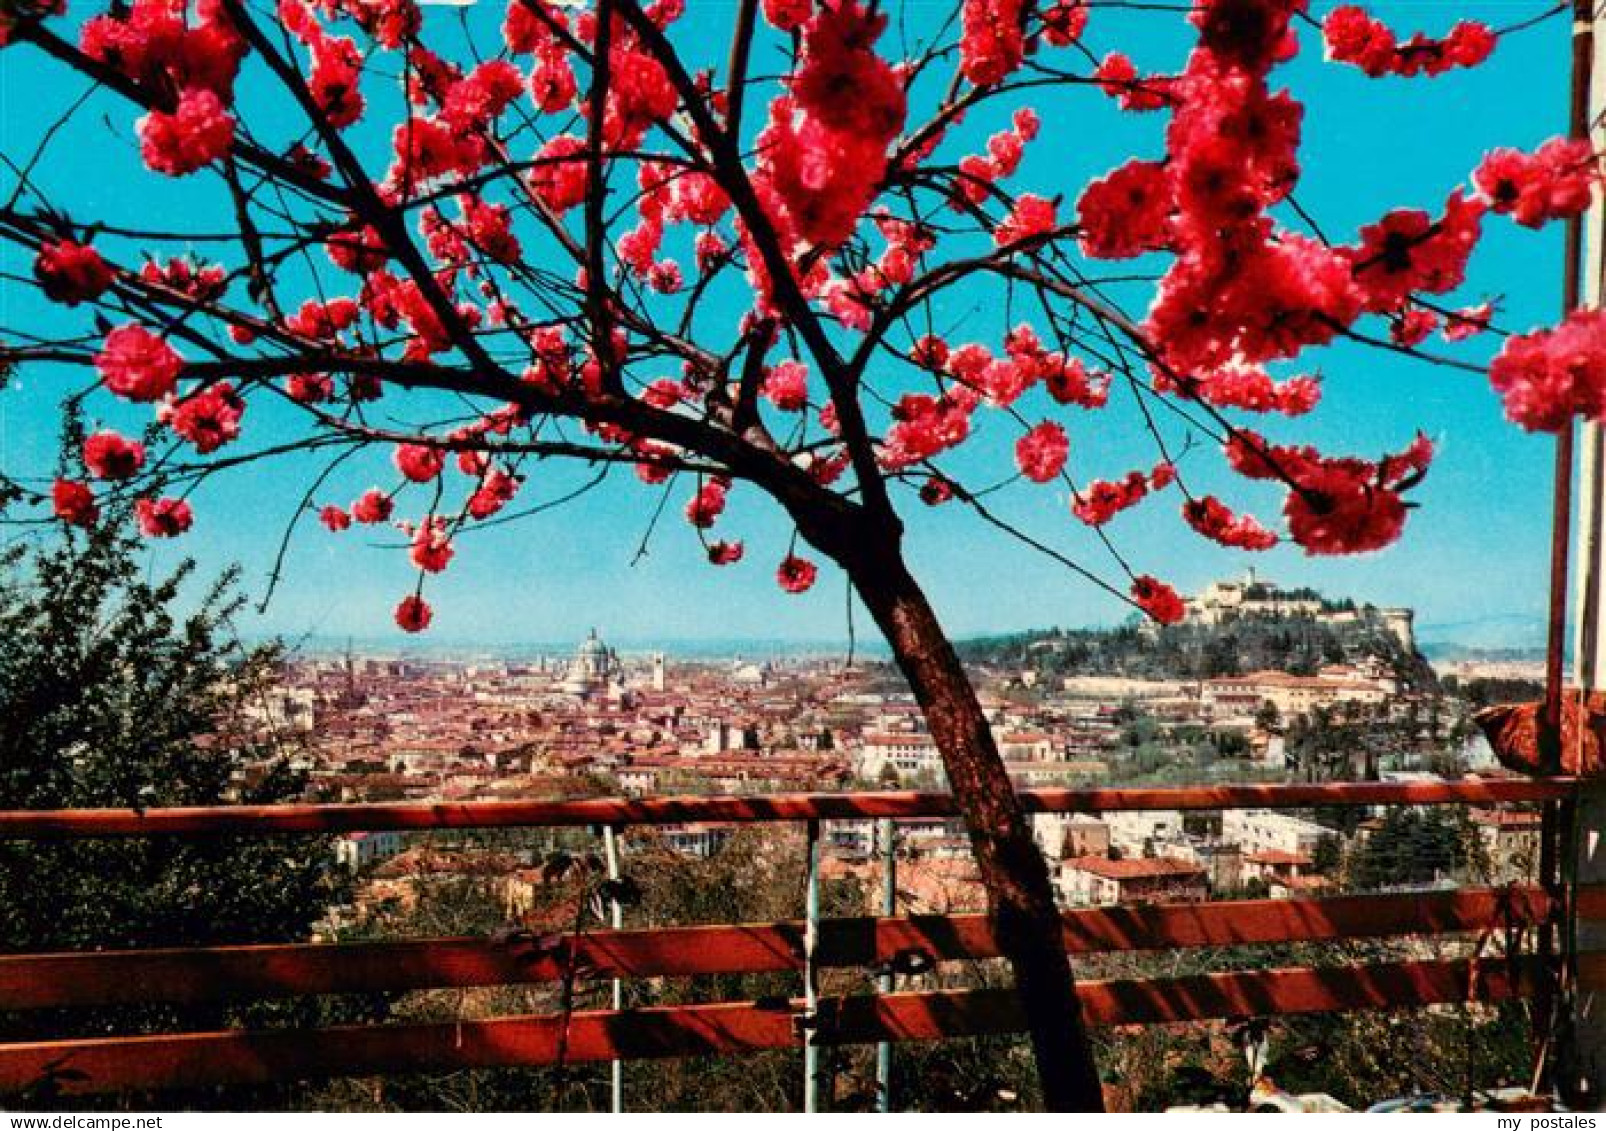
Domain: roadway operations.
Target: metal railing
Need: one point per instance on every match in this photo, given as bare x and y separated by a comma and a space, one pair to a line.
187, 976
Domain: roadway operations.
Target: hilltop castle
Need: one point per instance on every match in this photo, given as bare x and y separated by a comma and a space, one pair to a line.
1252, 597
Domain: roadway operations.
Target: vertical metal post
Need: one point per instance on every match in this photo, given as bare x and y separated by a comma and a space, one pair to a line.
616, 916
811, 986
887, 835
1571, 838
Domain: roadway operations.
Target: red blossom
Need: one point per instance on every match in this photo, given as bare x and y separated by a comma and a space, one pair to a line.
824, 152
201, 282
137, 364
357, 249
334, 518
373, 507
432, 546
1251, 388
413, 614
163, 518
157, 45
1119, 78
323, 320
335, 80
197, 132
1158, 599
529, 25
786, 386
109, 455
208, 419
1335, 505
1407, 251
795, 574
725, 553
70, 272
1412, 326
924, 426
73, 502
1041, 453
419, 462
559, 178
309, 388
936, 490
1337, 509
1064, 21
788, 15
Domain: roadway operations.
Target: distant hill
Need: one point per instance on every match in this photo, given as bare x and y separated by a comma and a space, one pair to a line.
1297, 644
1511, 636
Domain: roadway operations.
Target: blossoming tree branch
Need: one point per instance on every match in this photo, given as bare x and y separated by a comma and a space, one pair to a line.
486, 246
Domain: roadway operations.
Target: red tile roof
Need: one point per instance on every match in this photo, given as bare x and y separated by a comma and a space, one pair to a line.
1134, 869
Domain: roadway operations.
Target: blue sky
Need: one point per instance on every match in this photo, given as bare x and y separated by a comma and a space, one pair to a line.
1475, 547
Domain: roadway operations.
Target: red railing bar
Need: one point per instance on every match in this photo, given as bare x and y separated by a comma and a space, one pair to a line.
55, 824
241, 1057
37, 981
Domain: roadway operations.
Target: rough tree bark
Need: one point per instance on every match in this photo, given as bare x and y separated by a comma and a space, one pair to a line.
1020, 895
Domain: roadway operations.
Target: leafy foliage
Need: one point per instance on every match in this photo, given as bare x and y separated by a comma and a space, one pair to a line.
109, 696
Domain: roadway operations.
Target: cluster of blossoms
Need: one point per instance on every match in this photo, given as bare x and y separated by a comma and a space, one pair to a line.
1248, 387
1117, 76
1241, 294
430, 545
203, 282
671, 195
1212, 518
1554, 182
1032, 216
1102, 499
823, 153
786, 386
979, 173
71, 273
925, 425
708, 503
1354, 36
187, 62
1335, 505
1547, 377
112, 457
993, 41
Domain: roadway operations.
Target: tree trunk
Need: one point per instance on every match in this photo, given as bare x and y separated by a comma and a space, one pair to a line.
1020, 896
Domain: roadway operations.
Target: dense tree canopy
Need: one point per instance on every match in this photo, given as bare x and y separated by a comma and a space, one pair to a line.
111, 697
